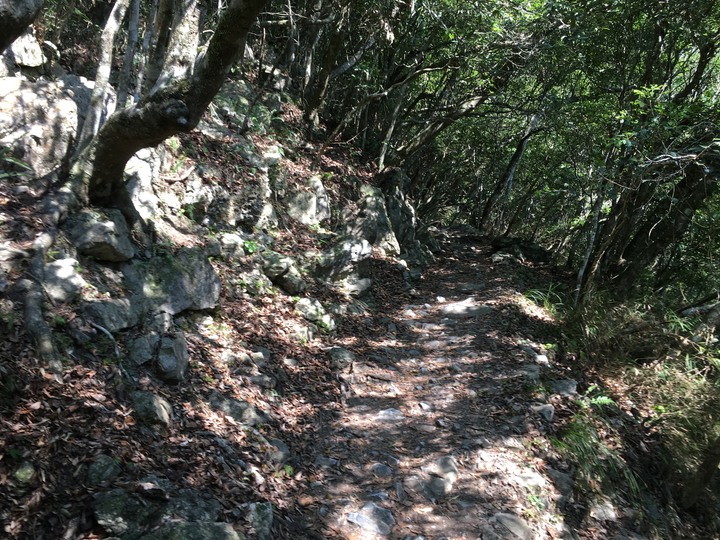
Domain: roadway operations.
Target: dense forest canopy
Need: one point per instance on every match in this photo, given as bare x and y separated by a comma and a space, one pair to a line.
590, 127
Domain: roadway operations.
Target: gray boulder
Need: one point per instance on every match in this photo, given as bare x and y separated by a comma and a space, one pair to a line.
341, 358
313, 311
254, 282
101, 234
193, 505
371, 221
141, 174
15, 16
516, 525
125, 514
166, 284
278, 452
173, 358
26, 51
344, 259
249, 206
281, 270
240, 411
152, 409
312, 206
39, 120
181, 513
175, 282
232, 245
62, 281
403, 218
103, 470
260, 516
373, 519
115, 314
38, 130
142, 349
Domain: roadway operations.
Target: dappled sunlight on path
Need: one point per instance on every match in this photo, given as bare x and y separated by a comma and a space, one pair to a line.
441, 434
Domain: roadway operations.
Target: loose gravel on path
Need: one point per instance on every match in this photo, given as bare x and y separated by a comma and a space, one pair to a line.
444, 429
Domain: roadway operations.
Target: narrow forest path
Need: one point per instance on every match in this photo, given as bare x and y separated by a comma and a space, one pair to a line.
443, 433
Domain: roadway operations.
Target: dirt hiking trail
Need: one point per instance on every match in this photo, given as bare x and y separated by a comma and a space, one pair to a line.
446, 416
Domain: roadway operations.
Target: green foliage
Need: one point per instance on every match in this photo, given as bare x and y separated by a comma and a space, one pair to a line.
59, 321
9, 165
648, 351
602, 466
250, 246
551, 300
286, 471
598, 400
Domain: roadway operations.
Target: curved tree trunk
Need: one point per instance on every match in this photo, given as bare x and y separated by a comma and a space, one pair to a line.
171, 109
503, 185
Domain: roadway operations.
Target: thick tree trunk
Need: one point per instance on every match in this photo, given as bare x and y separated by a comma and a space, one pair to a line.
15, 16
174, 108
183, 45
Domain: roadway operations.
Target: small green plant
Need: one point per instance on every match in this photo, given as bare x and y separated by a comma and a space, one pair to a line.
173, 143
550, 300
598, 400
580, 442
7, 158
188, 211
250, 246
286, 471
10, 318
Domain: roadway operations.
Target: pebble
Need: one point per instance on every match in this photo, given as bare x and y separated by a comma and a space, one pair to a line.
603, 511
542, 359
515, 525
380, 469
564, 387
390, 415
322, 461
373, 518
546, 411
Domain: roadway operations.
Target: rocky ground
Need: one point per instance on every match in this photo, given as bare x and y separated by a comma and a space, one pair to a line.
448, 407
268, 366
427, 414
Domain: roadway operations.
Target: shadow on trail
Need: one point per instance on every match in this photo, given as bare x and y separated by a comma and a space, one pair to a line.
436, 434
